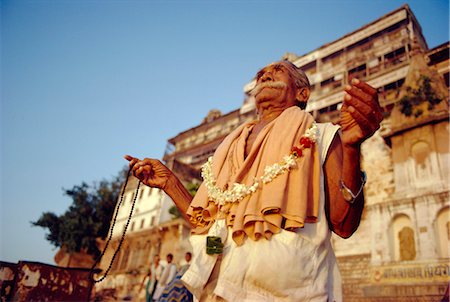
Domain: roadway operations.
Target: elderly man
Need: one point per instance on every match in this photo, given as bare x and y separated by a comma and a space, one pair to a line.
272, 193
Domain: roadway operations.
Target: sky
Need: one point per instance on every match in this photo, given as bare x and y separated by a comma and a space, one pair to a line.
85, 82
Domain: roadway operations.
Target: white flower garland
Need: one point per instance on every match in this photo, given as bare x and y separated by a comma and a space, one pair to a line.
240, 191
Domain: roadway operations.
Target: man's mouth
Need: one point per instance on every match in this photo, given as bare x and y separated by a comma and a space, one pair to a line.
258, 88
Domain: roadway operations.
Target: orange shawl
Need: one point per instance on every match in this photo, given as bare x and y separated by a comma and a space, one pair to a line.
287, 202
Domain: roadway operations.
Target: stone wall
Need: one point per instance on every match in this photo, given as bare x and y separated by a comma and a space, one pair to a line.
420, 281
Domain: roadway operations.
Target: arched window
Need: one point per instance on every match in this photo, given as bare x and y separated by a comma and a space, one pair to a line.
407, 244
115, 264
402, 239
134, 257
443, 233
146, 254
422, 168
124, 260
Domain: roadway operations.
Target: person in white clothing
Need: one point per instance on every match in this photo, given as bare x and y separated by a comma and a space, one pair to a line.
154, 276
272, 194
169, 272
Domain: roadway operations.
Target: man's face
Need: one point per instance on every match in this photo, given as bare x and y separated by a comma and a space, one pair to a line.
187, 257
156, 259
275, 88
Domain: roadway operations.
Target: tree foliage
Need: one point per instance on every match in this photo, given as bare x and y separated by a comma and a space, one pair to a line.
409, 104
87, 218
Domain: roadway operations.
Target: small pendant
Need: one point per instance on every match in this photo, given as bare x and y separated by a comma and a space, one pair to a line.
214, 245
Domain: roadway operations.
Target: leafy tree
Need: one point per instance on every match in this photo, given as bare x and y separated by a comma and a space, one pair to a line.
192, 189
87, 218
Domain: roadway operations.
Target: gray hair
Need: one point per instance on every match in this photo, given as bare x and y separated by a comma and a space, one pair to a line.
299, 76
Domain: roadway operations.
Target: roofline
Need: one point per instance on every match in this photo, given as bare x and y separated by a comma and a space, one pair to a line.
172, 140
439, 47
403, 7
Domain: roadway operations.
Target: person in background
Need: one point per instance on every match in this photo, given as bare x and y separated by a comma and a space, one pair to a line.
175, 290
154, 276
185, 267
169, 272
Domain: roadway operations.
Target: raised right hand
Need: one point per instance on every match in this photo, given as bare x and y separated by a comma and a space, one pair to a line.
150, 172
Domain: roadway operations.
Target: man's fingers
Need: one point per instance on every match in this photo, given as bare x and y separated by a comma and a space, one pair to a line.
132, 160
364, 122
362, 99
355, 102
364, 86
359, 94
128, 157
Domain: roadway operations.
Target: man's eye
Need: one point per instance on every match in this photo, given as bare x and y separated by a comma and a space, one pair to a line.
259, 74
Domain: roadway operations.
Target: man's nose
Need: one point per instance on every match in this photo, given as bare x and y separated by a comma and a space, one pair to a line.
267, 76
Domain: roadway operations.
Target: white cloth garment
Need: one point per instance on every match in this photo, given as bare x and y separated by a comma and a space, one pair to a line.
298, 266
167, 275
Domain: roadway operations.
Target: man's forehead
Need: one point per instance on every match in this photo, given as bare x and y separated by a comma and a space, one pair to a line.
271, 66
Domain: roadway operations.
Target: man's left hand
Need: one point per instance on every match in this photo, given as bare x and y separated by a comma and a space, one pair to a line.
361, 113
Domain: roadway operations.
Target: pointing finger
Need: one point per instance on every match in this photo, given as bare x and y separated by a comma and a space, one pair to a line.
128, 157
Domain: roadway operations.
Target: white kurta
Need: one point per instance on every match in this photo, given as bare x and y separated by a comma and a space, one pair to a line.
298, 266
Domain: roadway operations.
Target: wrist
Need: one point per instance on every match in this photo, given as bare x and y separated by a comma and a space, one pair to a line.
170, 184
350, 195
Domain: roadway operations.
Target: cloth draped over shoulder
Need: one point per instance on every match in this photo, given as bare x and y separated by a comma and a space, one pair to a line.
287, 202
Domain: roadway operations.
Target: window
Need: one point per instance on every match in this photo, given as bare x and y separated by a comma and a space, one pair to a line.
115, 264
374, 65
389, 93
310, 68
137, 260
330, 113
359, 44
145, 255
395, 57
439, 56
420, 152
446, 78
334, 57
331, 108
142, 223
407, 244
131, 198
357, 72
442, 226
402, 239
124, 260
331, 83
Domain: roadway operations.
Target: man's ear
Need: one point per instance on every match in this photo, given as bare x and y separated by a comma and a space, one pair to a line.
303, 94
